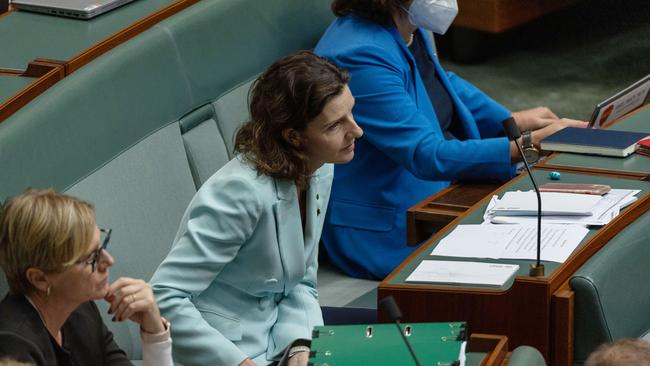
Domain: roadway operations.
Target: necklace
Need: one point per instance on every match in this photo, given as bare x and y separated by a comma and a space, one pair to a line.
408, 44
59, 335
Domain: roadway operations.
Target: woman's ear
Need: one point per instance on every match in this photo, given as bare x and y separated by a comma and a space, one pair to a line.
38, 279
292, 137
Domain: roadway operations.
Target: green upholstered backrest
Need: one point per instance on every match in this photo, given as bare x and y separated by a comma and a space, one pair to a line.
223, 43
93, 115
612, 297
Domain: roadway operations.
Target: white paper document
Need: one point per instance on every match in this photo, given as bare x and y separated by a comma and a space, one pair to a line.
456, 272
511, 241
605, 210
553, 203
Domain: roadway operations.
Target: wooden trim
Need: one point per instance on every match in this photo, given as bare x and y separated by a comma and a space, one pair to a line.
562, 312
495, 346
19, 100
11, 72
435, 212
124, 35
545, 165
41, 66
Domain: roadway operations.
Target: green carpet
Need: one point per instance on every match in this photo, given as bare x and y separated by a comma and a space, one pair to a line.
568, 60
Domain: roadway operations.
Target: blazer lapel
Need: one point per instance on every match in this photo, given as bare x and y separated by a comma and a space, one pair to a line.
463, 112
289, 233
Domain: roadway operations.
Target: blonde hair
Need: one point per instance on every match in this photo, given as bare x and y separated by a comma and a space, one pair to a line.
11, 362
621, 353
43, 229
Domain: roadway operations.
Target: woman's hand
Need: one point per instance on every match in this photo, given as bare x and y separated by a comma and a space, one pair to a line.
538, 135
133, 299
534, 118
247, 362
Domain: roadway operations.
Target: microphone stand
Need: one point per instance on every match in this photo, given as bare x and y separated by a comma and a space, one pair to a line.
511, 129
389, 305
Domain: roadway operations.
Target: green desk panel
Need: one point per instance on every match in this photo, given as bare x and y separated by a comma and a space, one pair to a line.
27, 35
10, 85
635, 163
476, 217
381, 344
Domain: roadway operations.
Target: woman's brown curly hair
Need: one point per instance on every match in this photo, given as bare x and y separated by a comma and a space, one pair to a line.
289, 94
378, 11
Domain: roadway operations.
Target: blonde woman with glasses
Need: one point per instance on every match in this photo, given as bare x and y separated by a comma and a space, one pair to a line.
56, 264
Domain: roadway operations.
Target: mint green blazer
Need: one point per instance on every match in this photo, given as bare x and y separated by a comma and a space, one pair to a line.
240, 279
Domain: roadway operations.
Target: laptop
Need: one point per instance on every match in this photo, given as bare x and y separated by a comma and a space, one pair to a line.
80, 9
621, 103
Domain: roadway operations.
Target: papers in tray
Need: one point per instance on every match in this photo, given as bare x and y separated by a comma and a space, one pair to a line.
607, 208
456, 272
553, 203
511, 241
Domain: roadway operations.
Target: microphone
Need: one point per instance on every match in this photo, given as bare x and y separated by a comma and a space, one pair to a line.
513, 133
389, 305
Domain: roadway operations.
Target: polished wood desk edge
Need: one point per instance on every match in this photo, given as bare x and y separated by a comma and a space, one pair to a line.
590, 171
30, 92
496, 347
127, 33
562, 326
46, 80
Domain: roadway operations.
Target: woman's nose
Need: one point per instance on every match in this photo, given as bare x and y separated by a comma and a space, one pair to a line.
106, 259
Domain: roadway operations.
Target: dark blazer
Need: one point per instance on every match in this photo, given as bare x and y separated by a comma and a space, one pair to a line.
86, 340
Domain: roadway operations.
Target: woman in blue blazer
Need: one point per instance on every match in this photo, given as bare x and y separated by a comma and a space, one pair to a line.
239, 283
424, 127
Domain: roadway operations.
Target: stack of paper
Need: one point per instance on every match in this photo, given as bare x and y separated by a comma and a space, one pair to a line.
559, 208
511, 241
456, 272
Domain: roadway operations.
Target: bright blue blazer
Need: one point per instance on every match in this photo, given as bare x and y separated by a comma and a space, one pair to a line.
240, 279
402, 157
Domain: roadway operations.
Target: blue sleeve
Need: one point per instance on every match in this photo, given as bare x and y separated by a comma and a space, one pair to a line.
487, 113
392, 123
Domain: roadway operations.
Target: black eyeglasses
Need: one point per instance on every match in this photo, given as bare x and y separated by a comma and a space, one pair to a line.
94, 256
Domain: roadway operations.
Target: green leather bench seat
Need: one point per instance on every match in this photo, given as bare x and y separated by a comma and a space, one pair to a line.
612, 296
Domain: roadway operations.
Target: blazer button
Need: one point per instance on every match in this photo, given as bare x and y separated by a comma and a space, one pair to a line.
264, 303
271, 282
317, 211
317, 196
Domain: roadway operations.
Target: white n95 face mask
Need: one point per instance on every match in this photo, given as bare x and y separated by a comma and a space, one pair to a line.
433, 15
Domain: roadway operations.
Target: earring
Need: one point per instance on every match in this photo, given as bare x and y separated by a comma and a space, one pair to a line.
47, 293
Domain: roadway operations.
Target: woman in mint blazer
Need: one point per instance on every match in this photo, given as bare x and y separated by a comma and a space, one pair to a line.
239, 283
405, 156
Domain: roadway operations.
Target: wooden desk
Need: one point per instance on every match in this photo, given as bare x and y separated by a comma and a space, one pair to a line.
438, 210
28, 38
530, 311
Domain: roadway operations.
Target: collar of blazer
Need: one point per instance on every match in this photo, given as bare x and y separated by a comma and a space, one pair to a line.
286, 189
